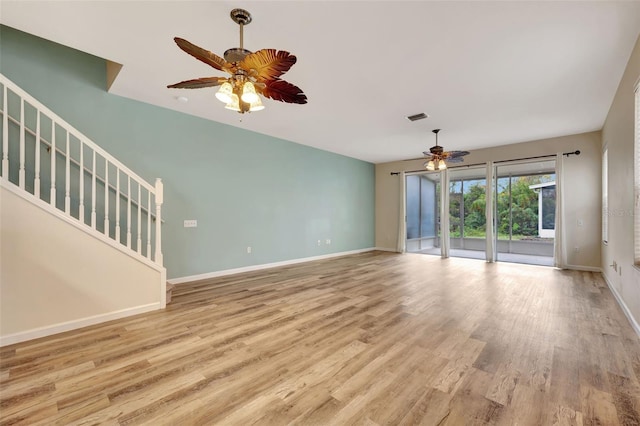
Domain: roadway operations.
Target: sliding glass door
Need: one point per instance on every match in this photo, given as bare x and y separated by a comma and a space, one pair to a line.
467, 219
525, 212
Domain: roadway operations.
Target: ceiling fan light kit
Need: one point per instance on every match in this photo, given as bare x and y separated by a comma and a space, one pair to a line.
437, 156
225, 93
252, 73
429, 165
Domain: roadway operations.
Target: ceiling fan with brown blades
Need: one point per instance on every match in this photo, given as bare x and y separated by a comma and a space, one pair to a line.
251, 73
436, 156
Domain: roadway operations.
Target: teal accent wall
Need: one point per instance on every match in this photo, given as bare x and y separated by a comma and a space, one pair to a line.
244, 188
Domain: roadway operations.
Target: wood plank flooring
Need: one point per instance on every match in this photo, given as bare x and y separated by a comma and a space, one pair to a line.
370, 339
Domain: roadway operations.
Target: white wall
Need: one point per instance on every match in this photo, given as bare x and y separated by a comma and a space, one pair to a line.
583, 199
618, 137
55, 277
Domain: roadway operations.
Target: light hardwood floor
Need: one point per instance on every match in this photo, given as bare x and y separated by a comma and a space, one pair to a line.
375, 338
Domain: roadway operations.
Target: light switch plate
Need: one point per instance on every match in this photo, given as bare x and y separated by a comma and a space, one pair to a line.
191, 223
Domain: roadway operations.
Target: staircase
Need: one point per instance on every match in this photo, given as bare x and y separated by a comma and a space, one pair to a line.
97, 212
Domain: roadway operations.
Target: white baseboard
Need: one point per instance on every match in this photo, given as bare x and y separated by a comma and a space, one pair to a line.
49, 330
623, 306
182, 280
393, 250
584, 268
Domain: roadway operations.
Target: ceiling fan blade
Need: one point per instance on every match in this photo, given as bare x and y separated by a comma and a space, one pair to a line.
455, 154
283, 91
203, 55
198, 83
454, 160
267, 64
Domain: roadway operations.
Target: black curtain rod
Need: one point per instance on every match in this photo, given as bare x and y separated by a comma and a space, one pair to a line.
576, 152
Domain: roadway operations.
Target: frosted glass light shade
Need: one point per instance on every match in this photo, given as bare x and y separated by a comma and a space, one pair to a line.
249, 94
224, 93
430, 165
441, 165
257, 105
234, 105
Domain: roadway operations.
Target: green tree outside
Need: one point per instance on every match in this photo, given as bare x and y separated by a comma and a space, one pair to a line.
517, 208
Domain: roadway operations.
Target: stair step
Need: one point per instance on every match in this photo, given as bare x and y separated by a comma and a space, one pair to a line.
169, 292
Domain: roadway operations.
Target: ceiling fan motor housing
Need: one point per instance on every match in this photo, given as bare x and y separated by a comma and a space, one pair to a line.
436, 150
235, 54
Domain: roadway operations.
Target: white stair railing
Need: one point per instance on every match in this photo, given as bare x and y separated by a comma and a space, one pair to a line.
31, 132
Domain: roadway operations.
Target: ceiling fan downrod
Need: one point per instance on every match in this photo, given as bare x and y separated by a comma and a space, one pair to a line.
242, 18
436, 131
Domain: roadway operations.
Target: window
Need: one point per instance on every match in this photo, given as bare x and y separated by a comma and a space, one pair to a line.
605, 195
636, 177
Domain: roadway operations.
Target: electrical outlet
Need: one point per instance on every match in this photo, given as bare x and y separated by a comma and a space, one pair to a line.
580, 223
249, 250
191, 223
327, 241
319, 242
576, 249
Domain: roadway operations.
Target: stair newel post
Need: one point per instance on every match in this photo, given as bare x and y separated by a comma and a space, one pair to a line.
36, 179
128, 211
159, 200
117, 204
81, 184
93, 191
67, 179
5, 133
106, 197
139, 240
22, 149
148, 224
52, 197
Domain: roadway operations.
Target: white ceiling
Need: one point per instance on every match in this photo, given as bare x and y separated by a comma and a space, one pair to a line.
487, 73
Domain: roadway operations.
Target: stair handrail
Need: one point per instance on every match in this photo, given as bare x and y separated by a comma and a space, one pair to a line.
155, 190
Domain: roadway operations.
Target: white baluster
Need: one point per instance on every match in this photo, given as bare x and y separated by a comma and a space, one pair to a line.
159, 201
139, 242
93, 191
5, 133
106, 197
117, 204
128, 211
36, 180
21, 170
53, 164
81, 183
67, 179
149, 225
